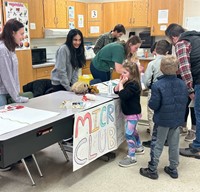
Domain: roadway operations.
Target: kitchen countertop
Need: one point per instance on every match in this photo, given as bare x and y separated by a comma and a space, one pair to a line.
50, 63
146, 58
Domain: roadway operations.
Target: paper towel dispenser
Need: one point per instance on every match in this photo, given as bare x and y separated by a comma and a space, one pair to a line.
147, 39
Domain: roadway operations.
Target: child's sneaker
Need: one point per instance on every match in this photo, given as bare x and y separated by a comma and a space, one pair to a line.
127, 162
146, 172
190, 136
140, 150
183, 130
171, 172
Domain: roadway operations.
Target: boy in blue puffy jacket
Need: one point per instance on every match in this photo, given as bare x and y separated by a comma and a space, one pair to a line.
168, 100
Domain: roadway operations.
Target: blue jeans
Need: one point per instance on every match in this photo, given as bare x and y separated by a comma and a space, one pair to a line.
196, 142
3, 99
103, 76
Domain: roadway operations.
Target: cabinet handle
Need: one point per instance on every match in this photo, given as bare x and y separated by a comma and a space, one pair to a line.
133, 20
130, 20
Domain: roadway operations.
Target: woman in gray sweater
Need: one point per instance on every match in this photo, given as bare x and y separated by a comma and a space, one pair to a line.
10, 38
69, 58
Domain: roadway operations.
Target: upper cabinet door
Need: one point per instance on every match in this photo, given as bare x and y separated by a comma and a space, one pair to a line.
123, 13
94, 11
132, 13
61, 14
36, 18
55, 14
108, 16
81, 17
49, 13
140, 13
173, 13
94, 15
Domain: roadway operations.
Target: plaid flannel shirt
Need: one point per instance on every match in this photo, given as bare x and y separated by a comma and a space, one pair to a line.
183, 49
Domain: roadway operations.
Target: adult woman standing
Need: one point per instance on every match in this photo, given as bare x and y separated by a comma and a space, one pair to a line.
10, 38
69, 58
112, 56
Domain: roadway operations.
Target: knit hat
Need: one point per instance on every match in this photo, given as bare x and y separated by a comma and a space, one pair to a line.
169, 65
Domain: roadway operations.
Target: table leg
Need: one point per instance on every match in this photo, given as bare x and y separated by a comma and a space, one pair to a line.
28, 172
63, 150
36, 163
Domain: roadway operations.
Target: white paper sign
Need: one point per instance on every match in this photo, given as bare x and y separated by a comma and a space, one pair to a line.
80, 21
94, 14
94, 29
163, 27
71, 12
71, 25
94, 134
163, 16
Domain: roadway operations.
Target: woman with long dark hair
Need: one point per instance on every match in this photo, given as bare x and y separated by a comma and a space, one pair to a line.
112, 56
69, 58
10, 38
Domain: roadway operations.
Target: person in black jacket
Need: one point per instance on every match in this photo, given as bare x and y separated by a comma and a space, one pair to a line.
169, 97
128, 89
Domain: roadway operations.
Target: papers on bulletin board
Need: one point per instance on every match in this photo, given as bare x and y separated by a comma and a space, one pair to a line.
17, 117
163, 16
192, 23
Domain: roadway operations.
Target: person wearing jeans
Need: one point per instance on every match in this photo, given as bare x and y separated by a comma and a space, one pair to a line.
187, 48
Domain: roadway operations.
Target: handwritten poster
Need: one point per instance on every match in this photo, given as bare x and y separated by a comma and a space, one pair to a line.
119, 122
94, 134
19, 11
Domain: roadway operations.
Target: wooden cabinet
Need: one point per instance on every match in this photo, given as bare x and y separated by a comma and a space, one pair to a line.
94, 16
80, 14
108, 17
25, 67
55, 14
36, 18
144, 63
174, 10
42, 73
86, 68
81, 10
132, 13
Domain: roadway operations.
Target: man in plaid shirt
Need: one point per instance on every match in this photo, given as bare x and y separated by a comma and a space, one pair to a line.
187, 48
109, 37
